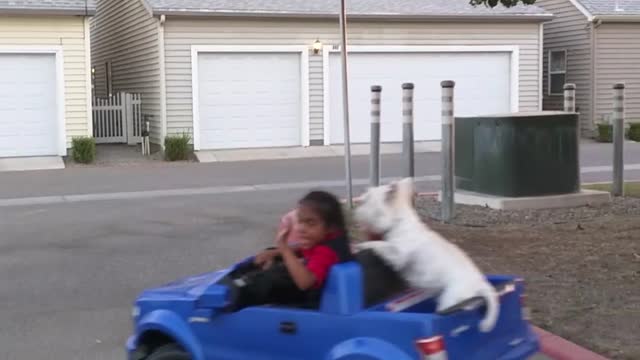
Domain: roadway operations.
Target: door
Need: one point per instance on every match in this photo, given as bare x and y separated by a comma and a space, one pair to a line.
28, 111
249, 100
482, 87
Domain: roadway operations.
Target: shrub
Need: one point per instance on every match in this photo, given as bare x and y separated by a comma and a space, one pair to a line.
176, 147
83, 149
634, 131
605, 133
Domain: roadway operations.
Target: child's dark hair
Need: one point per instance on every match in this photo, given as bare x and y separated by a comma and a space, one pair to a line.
328, 208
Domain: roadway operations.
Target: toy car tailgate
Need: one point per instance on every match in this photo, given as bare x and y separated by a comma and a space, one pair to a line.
459, 328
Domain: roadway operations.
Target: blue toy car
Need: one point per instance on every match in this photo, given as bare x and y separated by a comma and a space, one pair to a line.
365, 313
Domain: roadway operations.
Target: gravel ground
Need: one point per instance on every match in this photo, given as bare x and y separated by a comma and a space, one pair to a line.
581, 265
478, 216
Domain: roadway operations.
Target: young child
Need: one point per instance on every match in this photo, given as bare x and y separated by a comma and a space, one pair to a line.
322, 242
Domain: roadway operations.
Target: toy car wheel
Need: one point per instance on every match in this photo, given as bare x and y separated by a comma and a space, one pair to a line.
169, 352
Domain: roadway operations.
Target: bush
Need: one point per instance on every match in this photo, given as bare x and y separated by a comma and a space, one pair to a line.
176, 147
83, 149
634, 131
605, 133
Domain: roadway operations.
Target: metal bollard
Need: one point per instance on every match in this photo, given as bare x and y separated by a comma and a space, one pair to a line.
618, 140
407, 129
448, 203
570, 106
374, 160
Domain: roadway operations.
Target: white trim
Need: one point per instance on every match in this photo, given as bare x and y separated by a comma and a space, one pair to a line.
541, 67
304, 79
305, 136
582, 9
87, 65
425, 48
60, 94
163, 83
515, 79
514, 50
326, 93
549, 73
195, 95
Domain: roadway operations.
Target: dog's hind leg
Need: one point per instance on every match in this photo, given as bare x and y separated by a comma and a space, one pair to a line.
388, 252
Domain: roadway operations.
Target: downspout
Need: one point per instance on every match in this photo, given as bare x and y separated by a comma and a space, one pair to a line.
163, 82
87, 68
595, 23
540, 66
88, 77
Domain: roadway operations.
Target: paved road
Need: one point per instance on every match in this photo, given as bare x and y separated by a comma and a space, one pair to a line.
326, 172
69, 271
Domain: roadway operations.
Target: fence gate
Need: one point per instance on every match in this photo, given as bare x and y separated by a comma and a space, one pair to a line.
118, 119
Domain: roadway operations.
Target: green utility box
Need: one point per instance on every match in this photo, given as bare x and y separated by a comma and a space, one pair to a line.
518, 154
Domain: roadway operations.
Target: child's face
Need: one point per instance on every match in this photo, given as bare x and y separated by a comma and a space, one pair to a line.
310, 227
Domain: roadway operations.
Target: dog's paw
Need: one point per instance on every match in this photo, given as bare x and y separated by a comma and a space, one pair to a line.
362, 246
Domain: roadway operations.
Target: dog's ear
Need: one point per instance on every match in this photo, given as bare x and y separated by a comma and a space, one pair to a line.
405, 194
391, 193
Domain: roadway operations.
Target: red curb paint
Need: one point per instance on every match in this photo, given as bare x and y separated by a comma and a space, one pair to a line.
561, 349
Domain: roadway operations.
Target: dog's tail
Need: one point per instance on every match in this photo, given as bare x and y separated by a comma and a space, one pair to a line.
493, 308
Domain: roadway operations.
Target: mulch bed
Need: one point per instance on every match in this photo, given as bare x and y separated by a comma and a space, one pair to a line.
581, 265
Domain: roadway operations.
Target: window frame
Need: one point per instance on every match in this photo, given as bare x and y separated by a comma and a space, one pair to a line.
551, 73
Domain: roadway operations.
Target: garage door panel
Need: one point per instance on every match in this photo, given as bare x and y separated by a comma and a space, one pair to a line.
482, 86
28, 116
249, 100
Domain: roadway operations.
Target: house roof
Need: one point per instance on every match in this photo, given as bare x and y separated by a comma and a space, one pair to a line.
355, 8
48, 7
612, 7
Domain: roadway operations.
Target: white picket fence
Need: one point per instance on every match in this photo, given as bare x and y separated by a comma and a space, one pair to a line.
118, 119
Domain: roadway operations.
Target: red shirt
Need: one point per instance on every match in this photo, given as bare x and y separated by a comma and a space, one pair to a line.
319, 260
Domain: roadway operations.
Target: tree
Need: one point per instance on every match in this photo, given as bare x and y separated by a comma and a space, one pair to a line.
506, 3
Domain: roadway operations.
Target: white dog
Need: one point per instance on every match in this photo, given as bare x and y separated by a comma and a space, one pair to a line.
423, 257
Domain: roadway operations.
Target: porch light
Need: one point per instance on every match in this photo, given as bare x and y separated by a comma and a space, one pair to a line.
317, 46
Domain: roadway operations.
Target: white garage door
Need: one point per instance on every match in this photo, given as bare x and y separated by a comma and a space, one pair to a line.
249, 100
482, 87
28, 116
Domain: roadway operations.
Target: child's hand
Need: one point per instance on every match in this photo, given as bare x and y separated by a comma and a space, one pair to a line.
281, 238
265, 258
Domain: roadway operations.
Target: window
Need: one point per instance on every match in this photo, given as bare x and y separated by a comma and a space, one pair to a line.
557, 71
107, 75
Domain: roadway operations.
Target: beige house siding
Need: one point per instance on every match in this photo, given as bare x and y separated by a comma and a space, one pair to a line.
618, 60
569, 30
126, 34
180, 34
68, 32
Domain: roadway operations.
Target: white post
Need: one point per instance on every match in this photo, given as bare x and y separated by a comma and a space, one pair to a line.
128, 117
374, 157
618, 140
345, 101
407, 129
570, 106
448, 143
146, 138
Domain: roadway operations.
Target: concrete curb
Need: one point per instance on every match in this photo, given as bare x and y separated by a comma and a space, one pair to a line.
561, 349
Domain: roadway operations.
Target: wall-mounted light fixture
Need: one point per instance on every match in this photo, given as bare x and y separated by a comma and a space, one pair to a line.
317, 46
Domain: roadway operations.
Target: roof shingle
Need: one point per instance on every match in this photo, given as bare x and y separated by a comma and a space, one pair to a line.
398, 8
608, 7
53, 6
